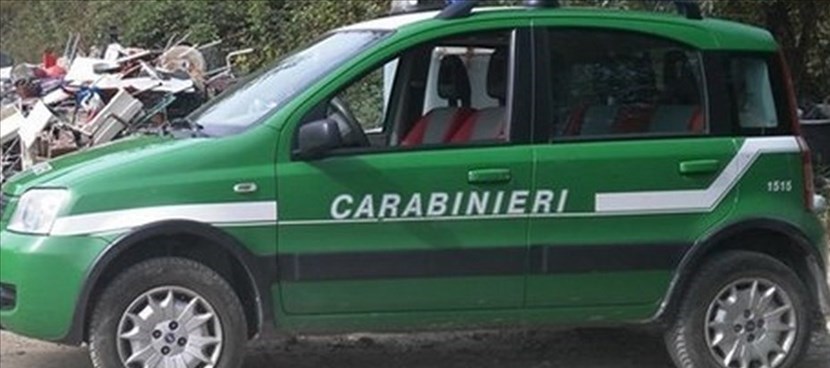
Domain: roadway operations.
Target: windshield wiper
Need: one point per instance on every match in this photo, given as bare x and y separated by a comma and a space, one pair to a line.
184, 125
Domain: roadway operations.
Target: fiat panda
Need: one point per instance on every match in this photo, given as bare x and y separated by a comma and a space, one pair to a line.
462, 168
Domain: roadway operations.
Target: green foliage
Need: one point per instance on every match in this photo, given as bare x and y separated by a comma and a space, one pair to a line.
366, 99
274, 27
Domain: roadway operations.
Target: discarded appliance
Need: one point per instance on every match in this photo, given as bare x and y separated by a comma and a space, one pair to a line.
81, 100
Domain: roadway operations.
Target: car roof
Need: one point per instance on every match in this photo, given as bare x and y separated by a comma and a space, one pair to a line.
722, 34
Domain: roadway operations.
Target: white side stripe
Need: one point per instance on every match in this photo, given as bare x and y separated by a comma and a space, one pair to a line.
226, 214
697, 200
606, 204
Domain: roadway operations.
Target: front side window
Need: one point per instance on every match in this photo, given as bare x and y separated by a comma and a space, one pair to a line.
446, 92
366, 100
623, 84
272, 87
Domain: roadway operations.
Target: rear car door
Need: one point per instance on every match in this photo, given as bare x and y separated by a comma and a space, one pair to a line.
430, 217
631, 144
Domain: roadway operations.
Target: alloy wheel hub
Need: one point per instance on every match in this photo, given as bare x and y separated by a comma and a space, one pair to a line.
751, 324
169, 327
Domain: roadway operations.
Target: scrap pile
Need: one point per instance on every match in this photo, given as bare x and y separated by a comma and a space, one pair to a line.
71, 102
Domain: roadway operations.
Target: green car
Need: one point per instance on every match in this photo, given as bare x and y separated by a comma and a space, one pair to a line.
440, 170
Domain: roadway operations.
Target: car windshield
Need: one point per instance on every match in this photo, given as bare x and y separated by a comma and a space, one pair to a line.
272, 87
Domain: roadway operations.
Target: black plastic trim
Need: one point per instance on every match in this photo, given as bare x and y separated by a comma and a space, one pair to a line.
482, 261
520, 83
695, 256
8, 296
720, 115
260, 270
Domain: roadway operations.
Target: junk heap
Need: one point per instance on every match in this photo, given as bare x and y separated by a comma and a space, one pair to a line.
76, 101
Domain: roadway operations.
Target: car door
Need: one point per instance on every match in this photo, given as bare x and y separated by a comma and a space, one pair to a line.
405, 225
631, 143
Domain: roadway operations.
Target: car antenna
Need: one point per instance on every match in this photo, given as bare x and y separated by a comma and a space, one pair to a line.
457, 9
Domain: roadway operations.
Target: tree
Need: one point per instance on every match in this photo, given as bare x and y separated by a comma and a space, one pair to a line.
275, 27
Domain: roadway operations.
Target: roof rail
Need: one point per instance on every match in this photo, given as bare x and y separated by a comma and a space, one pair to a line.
689, 8
462, 8
542, 3
457, 9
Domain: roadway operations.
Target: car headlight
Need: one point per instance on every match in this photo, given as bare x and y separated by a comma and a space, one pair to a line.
37, 210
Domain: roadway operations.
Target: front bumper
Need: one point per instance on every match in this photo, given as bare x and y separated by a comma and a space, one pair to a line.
46, 274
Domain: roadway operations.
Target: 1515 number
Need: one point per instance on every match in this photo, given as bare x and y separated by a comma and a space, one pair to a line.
776, 186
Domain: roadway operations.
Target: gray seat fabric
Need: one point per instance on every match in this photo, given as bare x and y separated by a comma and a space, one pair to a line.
672, 118
489, 123
438, 125
599, 120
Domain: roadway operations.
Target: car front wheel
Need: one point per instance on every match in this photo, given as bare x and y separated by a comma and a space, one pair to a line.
168, 312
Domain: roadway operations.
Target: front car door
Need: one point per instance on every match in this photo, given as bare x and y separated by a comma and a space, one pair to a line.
424, 219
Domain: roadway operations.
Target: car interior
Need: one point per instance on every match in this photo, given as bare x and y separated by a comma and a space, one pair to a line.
449, 92
623, 84
454, 91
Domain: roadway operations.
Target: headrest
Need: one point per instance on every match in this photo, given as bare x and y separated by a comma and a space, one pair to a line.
453, 81
497, 75
679, 79
675, 63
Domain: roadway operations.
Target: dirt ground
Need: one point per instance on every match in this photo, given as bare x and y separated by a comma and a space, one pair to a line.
594, 348
582, 348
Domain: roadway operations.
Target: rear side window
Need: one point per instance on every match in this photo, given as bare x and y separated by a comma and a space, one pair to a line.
618, 84
752, 89
758, 101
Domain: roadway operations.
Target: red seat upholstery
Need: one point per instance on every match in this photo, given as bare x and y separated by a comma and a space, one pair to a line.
440, 123
438, 126
488, 124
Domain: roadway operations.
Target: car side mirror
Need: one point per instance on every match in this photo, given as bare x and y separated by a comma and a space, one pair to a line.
317, 138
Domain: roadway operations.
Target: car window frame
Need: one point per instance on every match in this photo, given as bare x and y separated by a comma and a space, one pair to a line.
777, 74
543, 129
518, 124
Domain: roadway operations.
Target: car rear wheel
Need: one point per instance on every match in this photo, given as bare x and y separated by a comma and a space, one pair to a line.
742, 310
168, 312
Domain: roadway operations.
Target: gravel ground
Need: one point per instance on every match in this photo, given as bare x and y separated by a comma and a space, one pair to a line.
594, 348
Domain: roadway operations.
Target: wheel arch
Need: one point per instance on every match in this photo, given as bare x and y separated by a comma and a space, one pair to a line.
254, 274
775, 237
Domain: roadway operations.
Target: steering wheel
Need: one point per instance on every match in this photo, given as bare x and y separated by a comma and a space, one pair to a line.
350, 129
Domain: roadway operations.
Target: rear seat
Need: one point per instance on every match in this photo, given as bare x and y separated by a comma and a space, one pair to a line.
439, 124
630, 119
678, 110
488, 124
677, 118
599, 120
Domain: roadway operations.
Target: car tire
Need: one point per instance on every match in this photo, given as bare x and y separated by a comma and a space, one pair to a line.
719, 310
168, 309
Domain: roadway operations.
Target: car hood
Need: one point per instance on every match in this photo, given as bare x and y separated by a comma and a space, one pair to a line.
71, 169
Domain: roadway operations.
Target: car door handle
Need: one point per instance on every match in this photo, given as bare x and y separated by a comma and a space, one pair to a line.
696, 167
489, 176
